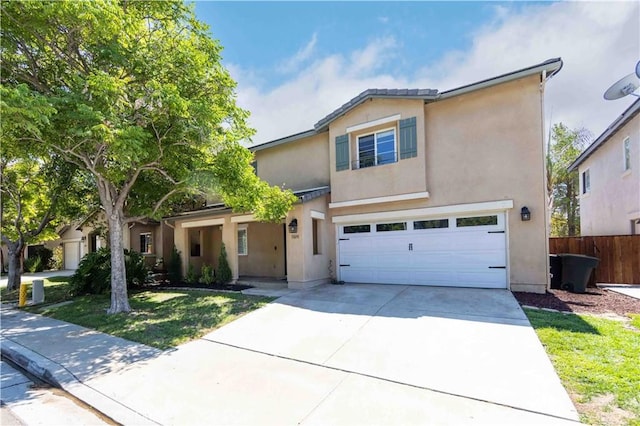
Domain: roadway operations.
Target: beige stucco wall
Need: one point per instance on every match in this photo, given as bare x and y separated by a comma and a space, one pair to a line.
402, 177
266, 251
298, 165
488, 145
483, 146
304, 268
614, 200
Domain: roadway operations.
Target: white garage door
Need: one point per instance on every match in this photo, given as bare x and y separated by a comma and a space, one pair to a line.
71, 255
467, 251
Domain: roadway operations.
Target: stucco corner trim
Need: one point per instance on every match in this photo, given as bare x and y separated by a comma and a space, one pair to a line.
373, 123
451, 210
206, 222
243, 218
377, 200
317, 215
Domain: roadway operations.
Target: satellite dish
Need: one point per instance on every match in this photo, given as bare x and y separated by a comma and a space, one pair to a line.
638, 69
623, 87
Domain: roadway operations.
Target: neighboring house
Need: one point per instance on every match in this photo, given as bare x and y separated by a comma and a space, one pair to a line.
403, 186
609, 171
151, 238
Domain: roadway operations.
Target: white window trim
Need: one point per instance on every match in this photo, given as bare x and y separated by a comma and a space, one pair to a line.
246, 246
375, 145
373, 123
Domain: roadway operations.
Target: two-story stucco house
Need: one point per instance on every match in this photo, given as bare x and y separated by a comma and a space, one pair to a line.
609, 171
416, 187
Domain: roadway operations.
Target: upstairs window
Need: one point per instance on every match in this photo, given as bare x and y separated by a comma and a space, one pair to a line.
586, 182
376, 149
626, 147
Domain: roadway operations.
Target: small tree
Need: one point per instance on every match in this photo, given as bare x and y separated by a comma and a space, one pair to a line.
224, 271
562, 185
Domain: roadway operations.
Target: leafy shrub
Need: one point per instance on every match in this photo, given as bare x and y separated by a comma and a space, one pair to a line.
93, 275
137, 270
224, 271
174, 267
191, 277
57, 260
33, 264
206, 275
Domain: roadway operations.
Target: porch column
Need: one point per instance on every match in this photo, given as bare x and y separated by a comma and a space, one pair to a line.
180, 235
230, 240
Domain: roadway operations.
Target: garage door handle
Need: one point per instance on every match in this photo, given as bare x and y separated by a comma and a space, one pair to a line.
345, 265
497, 267
495, 232
343, 239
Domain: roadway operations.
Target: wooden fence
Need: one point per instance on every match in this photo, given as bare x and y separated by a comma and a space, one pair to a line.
619, 256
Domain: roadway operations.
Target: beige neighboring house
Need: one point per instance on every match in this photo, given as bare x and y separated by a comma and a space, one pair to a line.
150, 238
400, 186
609, 171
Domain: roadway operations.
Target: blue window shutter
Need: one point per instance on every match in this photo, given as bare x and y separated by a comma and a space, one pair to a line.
408, 138
342, 152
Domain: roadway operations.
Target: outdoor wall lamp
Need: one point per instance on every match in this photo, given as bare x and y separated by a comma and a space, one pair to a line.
525, 214
293, 226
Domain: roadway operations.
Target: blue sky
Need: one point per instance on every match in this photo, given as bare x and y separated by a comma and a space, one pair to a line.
297, 61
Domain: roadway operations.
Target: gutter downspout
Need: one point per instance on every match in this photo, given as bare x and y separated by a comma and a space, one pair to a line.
543, 80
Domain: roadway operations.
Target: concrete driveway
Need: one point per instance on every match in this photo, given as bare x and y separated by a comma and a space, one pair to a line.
470, 343
332, 355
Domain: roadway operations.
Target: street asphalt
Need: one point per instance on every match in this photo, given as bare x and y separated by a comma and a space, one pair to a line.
340, 355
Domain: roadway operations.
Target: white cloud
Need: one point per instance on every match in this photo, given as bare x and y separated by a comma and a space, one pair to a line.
598, 42
293, 63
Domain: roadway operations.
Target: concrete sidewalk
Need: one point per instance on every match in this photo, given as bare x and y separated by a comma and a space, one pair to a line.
210, 382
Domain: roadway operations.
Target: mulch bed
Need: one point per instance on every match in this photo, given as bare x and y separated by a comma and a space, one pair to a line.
594, 301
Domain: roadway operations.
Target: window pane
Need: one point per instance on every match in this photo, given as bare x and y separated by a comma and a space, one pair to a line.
356, 229
627, 154
398, 226
366, 151
431, 224
386, 147
477, 221
242, 242
316, 236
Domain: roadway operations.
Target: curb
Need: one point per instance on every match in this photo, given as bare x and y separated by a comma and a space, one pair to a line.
56, 375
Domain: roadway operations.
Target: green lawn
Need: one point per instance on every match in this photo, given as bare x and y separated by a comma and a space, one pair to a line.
162, 319
56, 289
598, 361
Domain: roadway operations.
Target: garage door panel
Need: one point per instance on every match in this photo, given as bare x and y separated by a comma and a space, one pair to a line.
466, 256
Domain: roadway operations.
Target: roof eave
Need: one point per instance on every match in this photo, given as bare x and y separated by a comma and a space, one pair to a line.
618, 123
552, 67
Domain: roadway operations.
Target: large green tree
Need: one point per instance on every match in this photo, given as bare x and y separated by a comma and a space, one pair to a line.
38, 189
563, 148
142, 103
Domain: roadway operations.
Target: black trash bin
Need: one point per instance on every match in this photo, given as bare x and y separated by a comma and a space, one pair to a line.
555, 267
576, 270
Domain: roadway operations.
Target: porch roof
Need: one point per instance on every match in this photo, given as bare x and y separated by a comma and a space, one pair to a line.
220, 209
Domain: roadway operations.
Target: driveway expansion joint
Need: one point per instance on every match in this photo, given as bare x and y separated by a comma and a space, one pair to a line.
370, 376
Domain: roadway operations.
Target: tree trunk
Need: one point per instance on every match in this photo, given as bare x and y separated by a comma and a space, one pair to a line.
14, 250
119, 298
